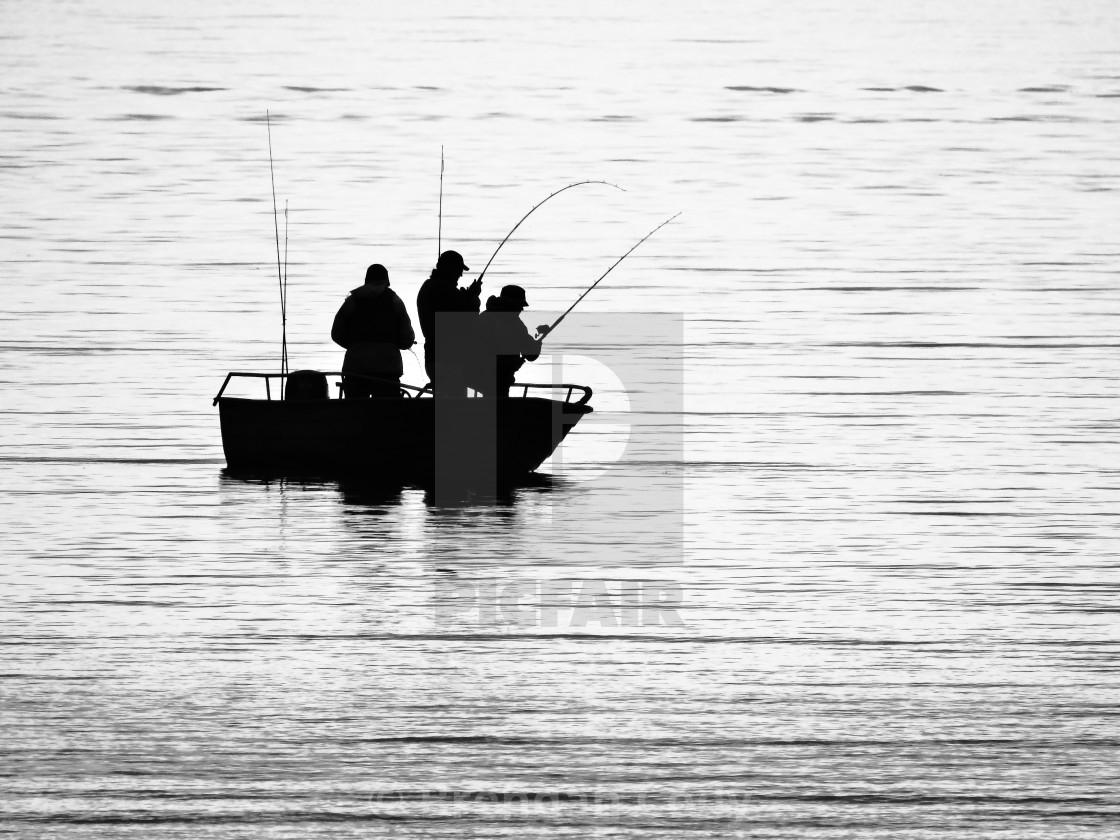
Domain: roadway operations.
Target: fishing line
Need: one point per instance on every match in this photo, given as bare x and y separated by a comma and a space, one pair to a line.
556, 323
527, 215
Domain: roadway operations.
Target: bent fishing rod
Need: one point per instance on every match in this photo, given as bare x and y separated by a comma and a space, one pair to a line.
556, 323
530, 213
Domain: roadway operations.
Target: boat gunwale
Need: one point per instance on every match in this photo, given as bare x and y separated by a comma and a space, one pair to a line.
412, 391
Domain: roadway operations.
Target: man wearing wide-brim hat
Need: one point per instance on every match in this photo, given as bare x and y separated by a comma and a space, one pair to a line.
502, 343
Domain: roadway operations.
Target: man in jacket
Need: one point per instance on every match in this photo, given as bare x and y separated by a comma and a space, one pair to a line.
373, 325
502, 343
441, 294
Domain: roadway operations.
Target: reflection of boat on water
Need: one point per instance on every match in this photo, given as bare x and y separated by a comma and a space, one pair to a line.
416, 437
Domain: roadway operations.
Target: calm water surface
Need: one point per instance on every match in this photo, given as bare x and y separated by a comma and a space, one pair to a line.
880, 513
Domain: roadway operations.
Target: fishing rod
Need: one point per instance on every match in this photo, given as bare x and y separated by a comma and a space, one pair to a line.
284, 302
527, 215
556, 323
439, 235
279, 273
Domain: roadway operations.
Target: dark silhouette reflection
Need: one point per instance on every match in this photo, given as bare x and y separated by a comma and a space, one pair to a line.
373, 326
372, 493
276, 478
386, 492
506, 494
232, 478
503, 494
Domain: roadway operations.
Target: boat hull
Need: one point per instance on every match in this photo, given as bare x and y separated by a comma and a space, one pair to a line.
398, 439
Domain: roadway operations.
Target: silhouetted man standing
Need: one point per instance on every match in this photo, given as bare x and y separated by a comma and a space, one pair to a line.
441, 294
373, 325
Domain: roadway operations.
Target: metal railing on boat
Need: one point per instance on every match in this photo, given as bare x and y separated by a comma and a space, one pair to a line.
408, 391
585, 392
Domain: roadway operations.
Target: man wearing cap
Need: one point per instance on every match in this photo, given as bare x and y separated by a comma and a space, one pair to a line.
502, 343
439, 294
373, 325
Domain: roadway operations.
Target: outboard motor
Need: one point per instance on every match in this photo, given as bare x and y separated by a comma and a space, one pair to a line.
307, 385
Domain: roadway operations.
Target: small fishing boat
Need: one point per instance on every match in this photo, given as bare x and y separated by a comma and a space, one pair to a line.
416, 437
470, 441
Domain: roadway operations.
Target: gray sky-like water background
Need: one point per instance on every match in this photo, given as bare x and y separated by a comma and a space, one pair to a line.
886, 499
